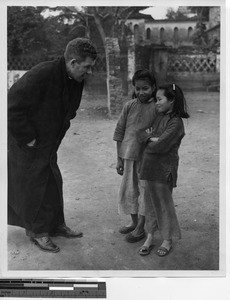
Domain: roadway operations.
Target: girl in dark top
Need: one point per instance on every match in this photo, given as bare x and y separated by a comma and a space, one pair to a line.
159, 167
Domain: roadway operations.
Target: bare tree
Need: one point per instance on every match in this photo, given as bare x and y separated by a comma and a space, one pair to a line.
110, 22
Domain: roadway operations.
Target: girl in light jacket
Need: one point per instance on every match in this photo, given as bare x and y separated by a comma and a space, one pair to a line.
136, 114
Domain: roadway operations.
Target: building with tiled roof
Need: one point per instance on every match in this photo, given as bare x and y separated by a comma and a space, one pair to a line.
171, 33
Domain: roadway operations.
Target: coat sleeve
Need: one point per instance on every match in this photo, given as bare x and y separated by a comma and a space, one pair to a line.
76, 99
143, 136
119, 132
172, 135
23, 99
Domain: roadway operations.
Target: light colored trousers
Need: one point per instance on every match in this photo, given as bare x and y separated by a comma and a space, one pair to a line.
131, 193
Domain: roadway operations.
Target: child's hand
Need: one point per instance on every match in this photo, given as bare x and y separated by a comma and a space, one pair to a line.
120, 166
149, 130
153, 139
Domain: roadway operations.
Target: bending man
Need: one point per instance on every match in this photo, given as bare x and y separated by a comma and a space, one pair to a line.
40, 106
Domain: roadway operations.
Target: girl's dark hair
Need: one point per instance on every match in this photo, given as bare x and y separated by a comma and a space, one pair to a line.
174, 93
145, 74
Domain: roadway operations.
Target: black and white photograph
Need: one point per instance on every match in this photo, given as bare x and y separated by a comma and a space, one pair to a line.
114, 139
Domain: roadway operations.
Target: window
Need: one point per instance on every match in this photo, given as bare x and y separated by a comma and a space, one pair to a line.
190, 30
136, 32
162, 31
148, 33
176, 35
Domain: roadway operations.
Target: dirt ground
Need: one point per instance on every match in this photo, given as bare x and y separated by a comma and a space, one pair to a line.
87, 159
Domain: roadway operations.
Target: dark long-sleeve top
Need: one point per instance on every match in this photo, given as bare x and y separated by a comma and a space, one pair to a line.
134, 116
160, 159
42, 103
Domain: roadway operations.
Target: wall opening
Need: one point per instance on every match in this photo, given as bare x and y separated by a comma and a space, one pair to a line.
190, 30
162, 32
176, 35
148, 33
136, 32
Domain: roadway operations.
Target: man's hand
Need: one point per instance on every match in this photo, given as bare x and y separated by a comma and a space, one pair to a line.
120, 166
31, 144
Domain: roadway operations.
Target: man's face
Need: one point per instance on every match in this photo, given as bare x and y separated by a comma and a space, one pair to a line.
80, 70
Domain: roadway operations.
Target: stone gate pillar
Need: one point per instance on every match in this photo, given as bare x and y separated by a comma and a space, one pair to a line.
131, 60
114, 83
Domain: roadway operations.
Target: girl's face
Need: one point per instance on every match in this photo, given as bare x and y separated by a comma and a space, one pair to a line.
163, 105
143, 90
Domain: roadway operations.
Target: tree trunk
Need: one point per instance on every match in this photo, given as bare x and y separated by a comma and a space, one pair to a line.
103, 37
107, 79
124, 65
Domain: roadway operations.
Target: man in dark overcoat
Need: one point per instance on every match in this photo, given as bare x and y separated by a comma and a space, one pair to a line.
40, 106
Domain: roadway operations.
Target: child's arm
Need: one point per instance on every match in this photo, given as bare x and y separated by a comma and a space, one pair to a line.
143, 135
121, 124
173, 133
145, 132
153, 138
118, 137
120, 161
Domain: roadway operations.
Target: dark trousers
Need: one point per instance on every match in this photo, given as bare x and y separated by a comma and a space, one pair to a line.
160, 210
50, 214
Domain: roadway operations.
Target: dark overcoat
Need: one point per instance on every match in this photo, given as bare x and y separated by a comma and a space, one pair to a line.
40, 106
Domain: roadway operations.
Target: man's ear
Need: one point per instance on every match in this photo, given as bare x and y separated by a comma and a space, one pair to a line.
73, 62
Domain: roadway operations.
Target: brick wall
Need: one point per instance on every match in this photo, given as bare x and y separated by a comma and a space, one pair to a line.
114, 83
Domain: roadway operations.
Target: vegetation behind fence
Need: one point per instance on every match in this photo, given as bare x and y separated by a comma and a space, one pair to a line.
190, 70
192, 63
23, 63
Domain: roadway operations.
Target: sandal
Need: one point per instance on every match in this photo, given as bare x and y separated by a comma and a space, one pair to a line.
162, 251
145, 250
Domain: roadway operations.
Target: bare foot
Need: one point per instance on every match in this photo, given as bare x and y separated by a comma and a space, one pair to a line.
147, 246
149, 240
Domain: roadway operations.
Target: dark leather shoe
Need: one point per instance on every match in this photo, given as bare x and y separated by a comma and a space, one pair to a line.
133, 239
67, 232
45, 244
126, 229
